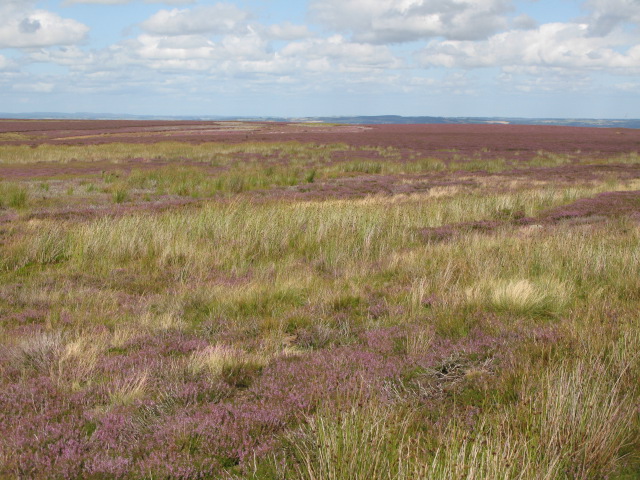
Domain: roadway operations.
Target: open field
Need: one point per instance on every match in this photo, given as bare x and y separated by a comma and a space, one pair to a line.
303, 301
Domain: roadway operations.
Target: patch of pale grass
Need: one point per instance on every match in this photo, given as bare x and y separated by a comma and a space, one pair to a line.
419, 291
213, 359
545, 297
419, 341
128, 390
276, 344
39, 351
78, 359
169, 320
122, 335
225, 362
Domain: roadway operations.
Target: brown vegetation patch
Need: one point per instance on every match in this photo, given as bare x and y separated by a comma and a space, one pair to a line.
75, 168
575, 173
92, 211
604, 205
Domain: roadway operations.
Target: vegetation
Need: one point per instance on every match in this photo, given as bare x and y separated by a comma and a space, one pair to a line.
173, 322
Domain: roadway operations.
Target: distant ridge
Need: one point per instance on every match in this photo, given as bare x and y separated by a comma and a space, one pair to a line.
367, 120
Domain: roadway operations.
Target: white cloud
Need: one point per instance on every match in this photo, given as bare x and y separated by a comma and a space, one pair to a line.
180, 53
219, 48
544, 79
336, 52
606, 15
220, 18
34, 87
96, 2
552, 45
22, 27
287, 31
122, 2
72, 57
395, 21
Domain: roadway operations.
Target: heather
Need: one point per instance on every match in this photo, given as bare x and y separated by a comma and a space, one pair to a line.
321, 310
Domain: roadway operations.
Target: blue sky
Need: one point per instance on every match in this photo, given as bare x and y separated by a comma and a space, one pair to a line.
518, 58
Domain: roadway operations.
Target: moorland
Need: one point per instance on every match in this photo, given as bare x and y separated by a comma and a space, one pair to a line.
258, 300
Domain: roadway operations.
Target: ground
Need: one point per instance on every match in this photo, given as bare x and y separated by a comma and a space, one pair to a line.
269, 300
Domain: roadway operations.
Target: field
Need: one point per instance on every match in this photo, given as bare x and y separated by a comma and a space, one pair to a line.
245, 300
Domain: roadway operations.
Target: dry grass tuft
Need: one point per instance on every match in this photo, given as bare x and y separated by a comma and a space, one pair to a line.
128, 390
545, 297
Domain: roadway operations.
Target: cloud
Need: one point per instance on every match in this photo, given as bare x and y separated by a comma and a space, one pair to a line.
122, 2
34, 87
631, 87
95, 2
5, 63
71, 56
552, 45
606, 15
23, 28
184, 53
220, 18
247, 57
397, 21
287, 31
220, 47
337, 53
544, 79
524, 22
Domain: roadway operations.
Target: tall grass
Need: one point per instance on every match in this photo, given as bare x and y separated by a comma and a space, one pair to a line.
13, 195
362, 443
210, 339
573, 423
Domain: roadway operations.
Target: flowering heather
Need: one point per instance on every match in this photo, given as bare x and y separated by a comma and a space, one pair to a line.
191, 300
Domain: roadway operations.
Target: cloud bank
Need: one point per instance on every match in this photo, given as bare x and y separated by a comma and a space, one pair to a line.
377, 47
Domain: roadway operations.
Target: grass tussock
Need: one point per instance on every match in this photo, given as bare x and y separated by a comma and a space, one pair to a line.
233, 366
128, 390
13, 195
542, 298
371, 442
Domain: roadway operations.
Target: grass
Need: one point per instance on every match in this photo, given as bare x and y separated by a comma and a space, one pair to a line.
13, 195
211, 153
521, 296
259, 335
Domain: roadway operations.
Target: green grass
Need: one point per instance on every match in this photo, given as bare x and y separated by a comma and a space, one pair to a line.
13, 195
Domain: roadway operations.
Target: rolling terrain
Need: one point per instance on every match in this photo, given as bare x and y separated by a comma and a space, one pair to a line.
289, 300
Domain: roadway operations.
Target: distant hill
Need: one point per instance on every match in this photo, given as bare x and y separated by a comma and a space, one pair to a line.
367, 120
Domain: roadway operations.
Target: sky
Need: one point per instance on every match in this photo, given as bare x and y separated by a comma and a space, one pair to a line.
301, 58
